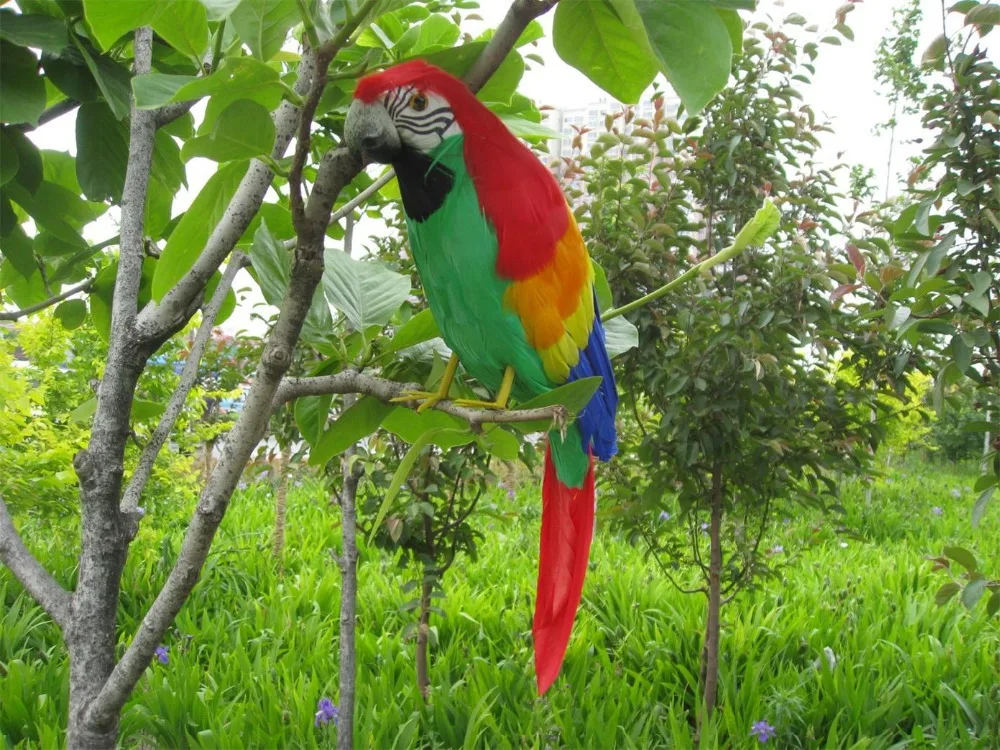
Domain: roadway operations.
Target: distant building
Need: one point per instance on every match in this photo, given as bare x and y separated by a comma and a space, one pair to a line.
568, 121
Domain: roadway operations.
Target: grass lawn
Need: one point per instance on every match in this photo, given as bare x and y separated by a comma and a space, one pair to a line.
252, 652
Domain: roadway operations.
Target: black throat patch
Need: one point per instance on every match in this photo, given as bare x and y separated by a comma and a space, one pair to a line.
422, 186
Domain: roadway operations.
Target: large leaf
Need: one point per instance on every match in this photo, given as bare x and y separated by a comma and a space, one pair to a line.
243, 130
272, 265
354, 424
102, 152
29, 160
620, 336
263, 24
45, 33
421, 327
610, 50
692, 44
111, 77
757, 231
574, 396
366, 292
182, 23
236, 78
16, 248
22, 89
410, 425
503, 83
10, 162
71, 313
193, 230
311, 413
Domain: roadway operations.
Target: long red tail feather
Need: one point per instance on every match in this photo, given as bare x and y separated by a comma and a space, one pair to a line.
567, 530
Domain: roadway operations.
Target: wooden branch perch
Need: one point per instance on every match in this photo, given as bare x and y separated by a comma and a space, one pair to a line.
33, 576
352, 381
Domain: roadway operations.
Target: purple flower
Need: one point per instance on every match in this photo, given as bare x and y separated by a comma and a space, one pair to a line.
161, 655
704, 528
763, 730
510, 493
937, 510
326, 712
664, 516
777, 549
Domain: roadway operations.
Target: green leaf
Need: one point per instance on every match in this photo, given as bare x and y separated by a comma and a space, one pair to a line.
22, 89
366, 292
979, 509
102, 152
421, 327
228, 302
220, 9
612, 51
68, 72
144, 411
502, 85
409, 425
153, 90
30, 169
10, 162
961, 352
192, 231
974, 592
734, 25
84, 411
71, 313
499, 442
993, 605
112, 79
111, 19
692, 44
356, 423
159, 204
574, 396
16, 247
45, 33
51, 206
734, 4
435, 31
243, 130
962, 556
311, 413
757, 231
620, 336
403, 470
983, 15
605, 301
272, 264
530, 131
945, 593
263, 24
184, 25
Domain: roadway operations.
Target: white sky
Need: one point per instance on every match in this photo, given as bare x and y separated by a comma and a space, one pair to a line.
843, 91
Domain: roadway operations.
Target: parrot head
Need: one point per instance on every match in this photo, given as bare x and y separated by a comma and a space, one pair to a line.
412, 107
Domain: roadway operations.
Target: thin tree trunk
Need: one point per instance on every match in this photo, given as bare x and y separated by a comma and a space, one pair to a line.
348, 601
423, 634
280, 498
711, 653
892, 142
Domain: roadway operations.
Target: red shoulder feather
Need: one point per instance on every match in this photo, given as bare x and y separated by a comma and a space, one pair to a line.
517, 193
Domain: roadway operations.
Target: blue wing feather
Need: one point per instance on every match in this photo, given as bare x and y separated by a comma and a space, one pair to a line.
597, 420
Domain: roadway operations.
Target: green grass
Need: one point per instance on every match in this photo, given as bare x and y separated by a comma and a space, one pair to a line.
253, 652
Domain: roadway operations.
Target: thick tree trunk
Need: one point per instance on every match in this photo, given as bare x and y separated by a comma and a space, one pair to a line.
280, 505
711, 652
423, 634
348, 602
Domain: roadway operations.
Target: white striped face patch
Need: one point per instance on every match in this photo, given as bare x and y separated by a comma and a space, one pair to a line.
423, 119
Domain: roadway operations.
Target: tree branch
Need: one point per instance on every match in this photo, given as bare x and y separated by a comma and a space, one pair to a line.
15, 314
352, 381
56, 110
38, 582
175, 305
520, 14
137, 484
336, 170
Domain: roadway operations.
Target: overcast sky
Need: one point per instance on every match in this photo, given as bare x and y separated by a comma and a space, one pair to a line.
843, 92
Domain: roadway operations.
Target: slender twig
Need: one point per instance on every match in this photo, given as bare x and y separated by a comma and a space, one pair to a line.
15, 314
53, 598
189, 376
356, 201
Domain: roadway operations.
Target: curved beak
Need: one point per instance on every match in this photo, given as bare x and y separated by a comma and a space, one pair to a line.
370, 131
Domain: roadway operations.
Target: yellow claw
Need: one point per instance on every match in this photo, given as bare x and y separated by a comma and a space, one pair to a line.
426, 398
503, 395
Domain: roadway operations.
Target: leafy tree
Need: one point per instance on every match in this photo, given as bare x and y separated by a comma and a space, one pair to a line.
733, 415
269, 73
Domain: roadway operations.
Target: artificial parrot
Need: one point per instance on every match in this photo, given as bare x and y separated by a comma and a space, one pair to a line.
511, 286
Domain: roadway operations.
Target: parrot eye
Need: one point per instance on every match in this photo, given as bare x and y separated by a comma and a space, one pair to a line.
418, 102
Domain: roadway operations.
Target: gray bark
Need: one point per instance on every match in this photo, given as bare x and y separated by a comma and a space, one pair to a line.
280, 507
348, 561
711, 653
